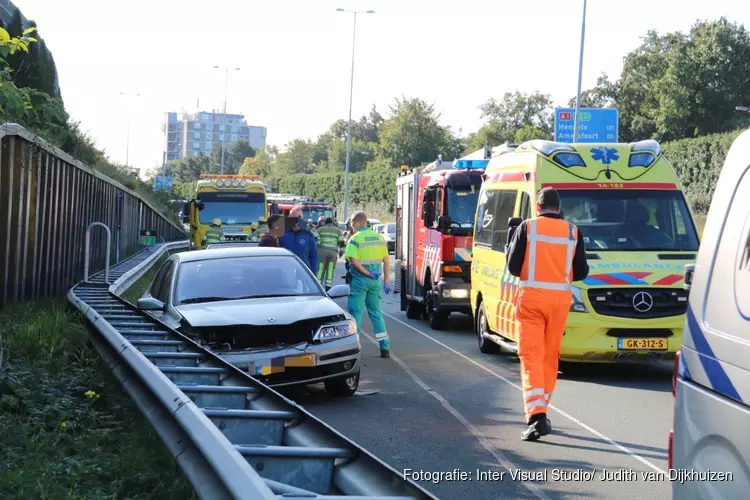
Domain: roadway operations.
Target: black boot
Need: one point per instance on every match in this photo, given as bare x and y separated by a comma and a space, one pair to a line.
538, 426
385, 353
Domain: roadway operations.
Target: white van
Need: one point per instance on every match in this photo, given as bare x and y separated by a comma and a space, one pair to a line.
709, 447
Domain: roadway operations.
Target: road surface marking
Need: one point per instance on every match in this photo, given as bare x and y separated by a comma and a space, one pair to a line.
533, 487
558, 410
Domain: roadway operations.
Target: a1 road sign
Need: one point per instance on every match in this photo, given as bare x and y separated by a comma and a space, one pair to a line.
595, 125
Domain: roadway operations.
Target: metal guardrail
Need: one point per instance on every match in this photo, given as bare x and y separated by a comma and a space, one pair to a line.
233, 436
47, 199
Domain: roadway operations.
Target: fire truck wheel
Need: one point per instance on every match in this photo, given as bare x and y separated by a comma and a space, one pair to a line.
413, 309
485, 345
438, 320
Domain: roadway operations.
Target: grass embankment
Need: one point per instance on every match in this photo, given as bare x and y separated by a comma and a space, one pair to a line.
67, 429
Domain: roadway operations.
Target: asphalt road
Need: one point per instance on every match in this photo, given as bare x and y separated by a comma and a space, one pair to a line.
439, 404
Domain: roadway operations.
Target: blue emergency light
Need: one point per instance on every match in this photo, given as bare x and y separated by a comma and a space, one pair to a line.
314, 203
470, 164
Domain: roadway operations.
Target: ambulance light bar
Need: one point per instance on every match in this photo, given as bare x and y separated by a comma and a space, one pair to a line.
643, 153
470, 164
547, 147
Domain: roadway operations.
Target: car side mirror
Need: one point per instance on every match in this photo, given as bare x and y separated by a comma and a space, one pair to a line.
339, 291
200, 205
427, 213
444, 222
689, 273
186, 213
150, 304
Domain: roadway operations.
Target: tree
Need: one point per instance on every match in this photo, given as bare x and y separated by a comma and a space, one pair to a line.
297, 159
261, 164
516, 117
603, 95
413, 134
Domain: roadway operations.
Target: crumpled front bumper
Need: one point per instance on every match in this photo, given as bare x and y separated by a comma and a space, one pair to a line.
301, 364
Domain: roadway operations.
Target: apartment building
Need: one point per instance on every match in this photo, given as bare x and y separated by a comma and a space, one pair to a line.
190, 134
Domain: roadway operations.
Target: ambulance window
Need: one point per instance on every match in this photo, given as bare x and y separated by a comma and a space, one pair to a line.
525, 211
504, 209
485, 222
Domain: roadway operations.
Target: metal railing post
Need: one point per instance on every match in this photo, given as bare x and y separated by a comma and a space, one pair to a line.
86, 252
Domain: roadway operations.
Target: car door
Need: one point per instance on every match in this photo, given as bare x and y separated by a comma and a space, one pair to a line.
161, 289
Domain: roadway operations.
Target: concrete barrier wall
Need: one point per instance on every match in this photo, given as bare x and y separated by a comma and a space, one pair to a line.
47, 200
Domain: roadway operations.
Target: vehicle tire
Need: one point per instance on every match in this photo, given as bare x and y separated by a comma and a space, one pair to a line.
342, 387
485, 345
413, 309
438, 320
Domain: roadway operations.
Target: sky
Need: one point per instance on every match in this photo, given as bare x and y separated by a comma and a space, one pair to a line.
294, 57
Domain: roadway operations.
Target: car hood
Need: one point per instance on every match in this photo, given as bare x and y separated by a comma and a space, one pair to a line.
284, 310
662, 269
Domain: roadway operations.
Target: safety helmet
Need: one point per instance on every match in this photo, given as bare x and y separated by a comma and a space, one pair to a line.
321, 220
254, 226
262, 220
216, 222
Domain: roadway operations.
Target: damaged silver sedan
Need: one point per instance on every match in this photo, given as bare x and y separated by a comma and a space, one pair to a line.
262, 310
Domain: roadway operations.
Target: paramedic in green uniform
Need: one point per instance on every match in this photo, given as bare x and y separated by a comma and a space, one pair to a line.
368, 254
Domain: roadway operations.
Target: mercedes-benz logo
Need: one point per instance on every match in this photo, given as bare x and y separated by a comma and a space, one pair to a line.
272, 320
643, 302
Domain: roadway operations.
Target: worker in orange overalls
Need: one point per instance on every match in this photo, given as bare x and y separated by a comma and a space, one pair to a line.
548, 255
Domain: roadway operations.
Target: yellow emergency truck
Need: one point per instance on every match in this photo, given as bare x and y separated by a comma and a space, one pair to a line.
639, 235
237, 200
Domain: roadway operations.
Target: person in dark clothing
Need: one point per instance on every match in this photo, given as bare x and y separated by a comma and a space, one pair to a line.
300, 242
276, 231
547, 253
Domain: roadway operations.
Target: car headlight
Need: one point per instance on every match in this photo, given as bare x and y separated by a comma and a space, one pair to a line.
336, 330
576, 302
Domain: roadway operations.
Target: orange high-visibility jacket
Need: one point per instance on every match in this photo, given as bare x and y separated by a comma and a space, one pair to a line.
549, 253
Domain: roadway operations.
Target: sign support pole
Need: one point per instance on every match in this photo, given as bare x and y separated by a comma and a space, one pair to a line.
580, 75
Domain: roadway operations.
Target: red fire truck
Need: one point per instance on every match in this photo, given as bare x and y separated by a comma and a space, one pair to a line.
435, 208
310, 209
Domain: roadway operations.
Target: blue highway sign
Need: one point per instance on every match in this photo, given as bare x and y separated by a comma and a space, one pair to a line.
594, 125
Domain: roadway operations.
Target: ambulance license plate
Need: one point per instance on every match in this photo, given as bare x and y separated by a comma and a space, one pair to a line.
642, 344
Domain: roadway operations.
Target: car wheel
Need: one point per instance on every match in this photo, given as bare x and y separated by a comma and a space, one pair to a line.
485, 345
342, 387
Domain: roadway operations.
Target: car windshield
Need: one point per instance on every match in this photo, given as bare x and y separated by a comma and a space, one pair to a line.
232, 208
249, 277
316, 213
462, 206
631, 219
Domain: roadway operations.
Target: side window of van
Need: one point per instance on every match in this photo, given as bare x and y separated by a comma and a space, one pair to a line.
504, 210
525, 211
485, 222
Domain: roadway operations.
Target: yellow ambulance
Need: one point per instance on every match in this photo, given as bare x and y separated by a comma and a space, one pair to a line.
639, 235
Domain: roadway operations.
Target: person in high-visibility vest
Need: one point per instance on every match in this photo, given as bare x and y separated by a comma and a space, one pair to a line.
329, 236
261, 230
368, 255
214, 234
548, 254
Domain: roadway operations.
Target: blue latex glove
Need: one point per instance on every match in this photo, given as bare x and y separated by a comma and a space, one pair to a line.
374, 275
387, 288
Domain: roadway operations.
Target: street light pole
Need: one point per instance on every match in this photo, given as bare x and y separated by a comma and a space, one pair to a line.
576, 123
127, 137
349, 126
224, 121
